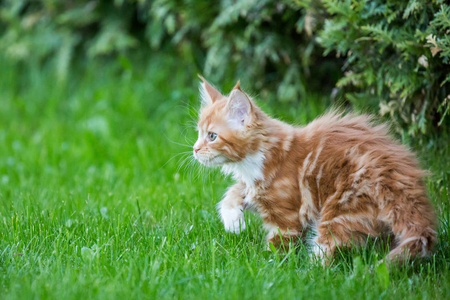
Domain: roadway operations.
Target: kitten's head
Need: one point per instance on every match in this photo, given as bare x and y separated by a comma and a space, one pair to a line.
228, 126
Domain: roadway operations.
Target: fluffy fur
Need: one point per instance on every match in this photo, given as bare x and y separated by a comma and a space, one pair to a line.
340, 175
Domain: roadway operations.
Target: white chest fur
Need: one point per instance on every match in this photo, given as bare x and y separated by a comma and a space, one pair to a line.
248, 170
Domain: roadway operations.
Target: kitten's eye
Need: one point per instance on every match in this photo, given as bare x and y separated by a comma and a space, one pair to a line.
212, 136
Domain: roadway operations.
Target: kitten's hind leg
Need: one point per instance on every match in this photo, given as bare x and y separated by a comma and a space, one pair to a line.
231, 209
282, 237
337, 233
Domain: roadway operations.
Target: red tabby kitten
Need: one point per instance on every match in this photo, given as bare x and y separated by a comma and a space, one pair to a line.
341, 176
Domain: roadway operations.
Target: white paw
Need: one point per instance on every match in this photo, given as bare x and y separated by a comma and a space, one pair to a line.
233, 219
318, 254
317, 251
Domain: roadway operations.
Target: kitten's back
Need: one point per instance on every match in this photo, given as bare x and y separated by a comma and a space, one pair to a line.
367, 181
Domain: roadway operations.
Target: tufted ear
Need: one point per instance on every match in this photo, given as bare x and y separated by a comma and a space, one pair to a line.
239, 108
237, 86
208, 93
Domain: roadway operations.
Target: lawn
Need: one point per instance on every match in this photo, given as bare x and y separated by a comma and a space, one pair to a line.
100, 199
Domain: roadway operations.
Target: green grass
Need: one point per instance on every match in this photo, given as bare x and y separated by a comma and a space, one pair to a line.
96, 202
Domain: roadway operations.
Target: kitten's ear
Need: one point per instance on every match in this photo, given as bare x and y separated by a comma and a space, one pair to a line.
239, 108
237, 86
208, 93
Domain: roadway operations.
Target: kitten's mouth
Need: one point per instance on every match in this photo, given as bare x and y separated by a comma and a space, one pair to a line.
214, 161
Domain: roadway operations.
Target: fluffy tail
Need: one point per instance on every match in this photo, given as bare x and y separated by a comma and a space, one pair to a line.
415, 243
415, 230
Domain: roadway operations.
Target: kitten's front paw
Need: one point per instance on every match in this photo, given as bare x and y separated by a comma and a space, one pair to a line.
233, 219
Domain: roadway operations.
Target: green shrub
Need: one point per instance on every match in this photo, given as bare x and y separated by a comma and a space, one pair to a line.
39, 31
269, 44
392, 56
397, 57
266, 44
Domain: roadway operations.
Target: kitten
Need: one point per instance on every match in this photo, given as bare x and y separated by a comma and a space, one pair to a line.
340, 175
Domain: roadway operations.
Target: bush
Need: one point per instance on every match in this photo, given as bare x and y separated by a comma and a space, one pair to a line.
397, 56
392, 55
266, 43
269, 44
40, 31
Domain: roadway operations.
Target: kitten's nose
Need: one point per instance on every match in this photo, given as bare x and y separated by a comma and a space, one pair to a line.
196, 149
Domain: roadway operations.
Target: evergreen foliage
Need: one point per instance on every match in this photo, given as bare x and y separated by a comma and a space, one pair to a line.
393, 56
396, 56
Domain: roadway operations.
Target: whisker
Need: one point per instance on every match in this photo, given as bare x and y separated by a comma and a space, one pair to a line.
175, 156
176, 143
180, 153
183, 162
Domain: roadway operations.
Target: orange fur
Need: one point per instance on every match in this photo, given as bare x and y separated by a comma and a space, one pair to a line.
340, 175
